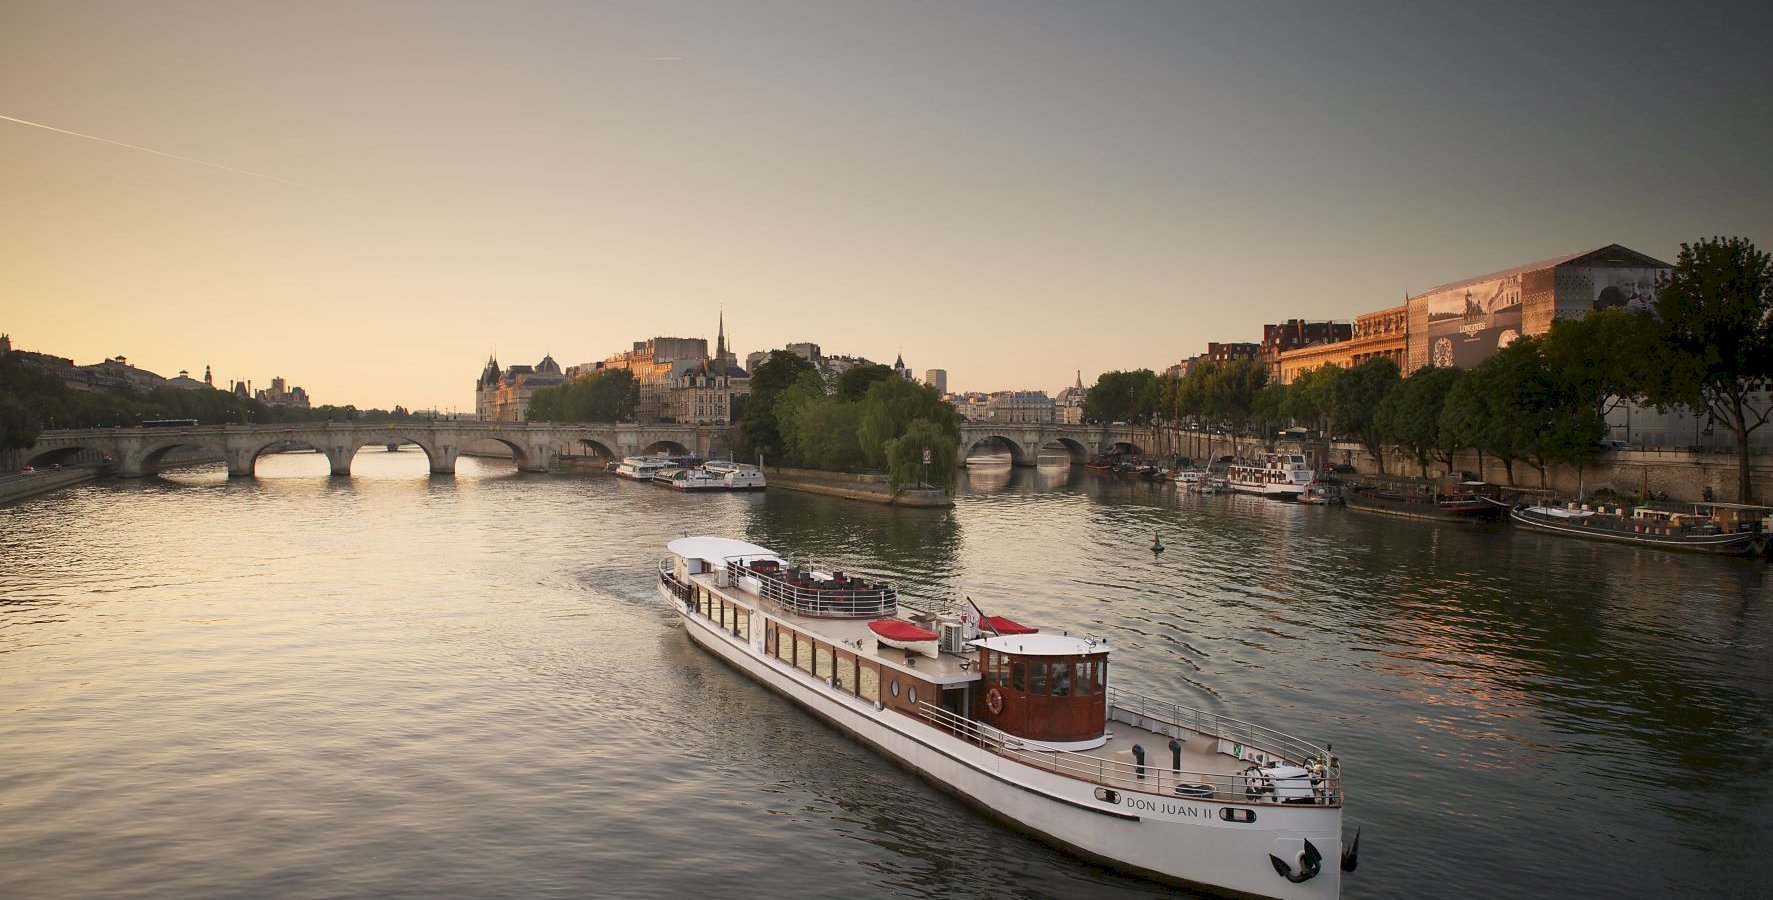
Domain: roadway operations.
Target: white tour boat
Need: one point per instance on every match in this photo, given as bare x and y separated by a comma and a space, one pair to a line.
687, 479
1025, 725
643, 468
1282, 476
738, 476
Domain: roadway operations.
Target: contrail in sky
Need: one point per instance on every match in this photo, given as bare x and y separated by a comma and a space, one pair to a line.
201, 162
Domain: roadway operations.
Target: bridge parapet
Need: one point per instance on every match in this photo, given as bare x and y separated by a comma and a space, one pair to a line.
137, 452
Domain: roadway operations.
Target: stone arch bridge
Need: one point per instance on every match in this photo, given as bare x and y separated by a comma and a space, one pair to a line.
137, 452
1080, 442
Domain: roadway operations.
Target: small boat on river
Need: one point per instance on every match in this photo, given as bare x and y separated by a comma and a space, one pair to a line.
643, 468
1726, 528
1025, 724
1446, 500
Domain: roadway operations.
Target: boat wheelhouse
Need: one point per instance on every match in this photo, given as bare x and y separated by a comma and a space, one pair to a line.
1724, 528
1282, 476
1028, 725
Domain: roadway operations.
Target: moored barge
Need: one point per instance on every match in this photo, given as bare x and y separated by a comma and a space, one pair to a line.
1025, 724
1444, 501
1723, 528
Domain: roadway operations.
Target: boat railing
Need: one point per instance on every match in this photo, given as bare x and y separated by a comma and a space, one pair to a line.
1177, 720
1159, 772
668, 578
870, 602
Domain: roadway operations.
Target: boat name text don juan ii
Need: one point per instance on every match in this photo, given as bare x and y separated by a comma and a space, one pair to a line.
1027, 725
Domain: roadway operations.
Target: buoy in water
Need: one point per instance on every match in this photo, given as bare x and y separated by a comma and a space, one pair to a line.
1157, 544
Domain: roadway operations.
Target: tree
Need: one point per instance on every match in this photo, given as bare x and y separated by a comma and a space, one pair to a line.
19, 426
1410, 414
905, 455
761, 432
1231, 390
1308, 396
889, 409
1355, 396
853, 384
1716, 308
1603, 359
1123, 397
607, 396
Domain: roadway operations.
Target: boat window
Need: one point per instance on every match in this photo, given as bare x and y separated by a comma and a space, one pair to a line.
1062, 679
868, 682
822, 661
1038, 680
769, 638
911, 695
1019, 676
846, 672
707, 603
742, 623
803, 652
894, 688
1101, 678
785, 645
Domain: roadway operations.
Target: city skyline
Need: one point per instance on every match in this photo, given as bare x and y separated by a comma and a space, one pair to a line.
369, 200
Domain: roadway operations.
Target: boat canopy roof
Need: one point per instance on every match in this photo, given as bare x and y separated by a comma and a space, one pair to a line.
719, 549
1042, 645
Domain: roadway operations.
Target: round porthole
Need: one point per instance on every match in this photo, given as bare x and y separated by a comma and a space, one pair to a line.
894, 687
914, 693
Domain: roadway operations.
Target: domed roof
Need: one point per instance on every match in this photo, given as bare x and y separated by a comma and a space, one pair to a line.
548, 365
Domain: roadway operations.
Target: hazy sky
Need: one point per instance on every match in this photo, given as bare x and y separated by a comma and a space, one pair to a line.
366, 198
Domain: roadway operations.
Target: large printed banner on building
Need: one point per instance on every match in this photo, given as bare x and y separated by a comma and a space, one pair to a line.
1468, 324
1632, 289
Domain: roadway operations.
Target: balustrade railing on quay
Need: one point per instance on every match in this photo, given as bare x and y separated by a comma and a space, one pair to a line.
870, 601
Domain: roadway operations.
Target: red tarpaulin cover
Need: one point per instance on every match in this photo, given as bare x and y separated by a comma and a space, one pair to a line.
900, 630
1002, 625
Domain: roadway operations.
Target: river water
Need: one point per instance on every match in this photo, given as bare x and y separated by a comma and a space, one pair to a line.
396, 685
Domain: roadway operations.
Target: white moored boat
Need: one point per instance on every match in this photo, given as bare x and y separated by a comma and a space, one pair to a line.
738, 476
1028, 726
1282, 476
643, 468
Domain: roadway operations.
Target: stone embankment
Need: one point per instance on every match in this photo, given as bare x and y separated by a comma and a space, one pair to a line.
870, 488
18, 487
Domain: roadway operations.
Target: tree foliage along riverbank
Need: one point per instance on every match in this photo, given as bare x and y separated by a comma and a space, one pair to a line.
867, 419
32, 400
1541, 400
607, 396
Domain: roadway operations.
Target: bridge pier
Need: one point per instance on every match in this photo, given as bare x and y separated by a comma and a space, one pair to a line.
240, 461
339, 457
443, 459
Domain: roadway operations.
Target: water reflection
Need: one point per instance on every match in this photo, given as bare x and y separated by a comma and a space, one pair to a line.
1521, 715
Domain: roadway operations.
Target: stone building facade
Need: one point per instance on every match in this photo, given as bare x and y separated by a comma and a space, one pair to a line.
504, 395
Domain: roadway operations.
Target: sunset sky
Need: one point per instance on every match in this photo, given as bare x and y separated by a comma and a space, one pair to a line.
367, 198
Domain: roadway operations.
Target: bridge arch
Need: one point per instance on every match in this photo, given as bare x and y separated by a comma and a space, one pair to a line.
668, 447
1019, 454
595, 447
1075, 450
519, 453
152, 454
68, 454
1125, 448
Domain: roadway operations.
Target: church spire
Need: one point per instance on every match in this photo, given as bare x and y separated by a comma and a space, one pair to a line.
720, 342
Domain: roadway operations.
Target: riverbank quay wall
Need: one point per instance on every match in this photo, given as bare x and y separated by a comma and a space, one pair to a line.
138, 452
1680, 474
